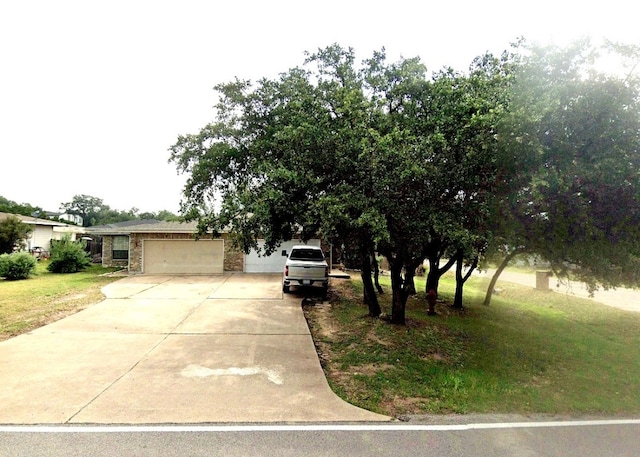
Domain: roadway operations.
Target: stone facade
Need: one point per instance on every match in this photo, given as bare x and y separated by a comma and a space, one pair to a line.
233, 259
107, 252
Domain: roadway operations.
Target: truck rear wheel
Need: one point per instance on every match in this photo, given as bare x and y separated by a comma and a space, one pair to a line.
285, 289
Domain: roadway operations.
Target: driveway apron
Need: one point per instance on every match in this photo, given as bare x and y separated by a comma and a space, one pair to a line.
173, 349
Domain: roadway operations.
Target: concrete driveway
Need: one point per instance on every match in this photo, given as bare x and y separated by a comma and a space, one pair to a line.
173, 349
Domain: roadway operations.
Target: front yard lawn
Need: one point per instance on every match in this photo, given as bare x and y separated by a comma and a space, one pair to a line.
529, 352
46, 297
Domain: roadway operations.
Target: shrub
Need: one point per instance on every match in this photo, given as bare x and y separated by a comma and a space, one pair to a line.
12, 234
68, 256
19, 265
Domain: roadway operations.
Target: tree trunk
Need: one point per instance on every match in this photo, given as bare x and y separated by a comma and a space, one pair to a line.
399, 296
435, 273
460, 279
496, 275
376, 273
409, 276
457, 299
432, 277
370, 297
409, 285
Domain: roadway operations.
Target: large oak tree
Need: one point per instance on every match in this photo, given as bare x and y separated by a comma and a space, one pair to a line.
578, 133
376, 156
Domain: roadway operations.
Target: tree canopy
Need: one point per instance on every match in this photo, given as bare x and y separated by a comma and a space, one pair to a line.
578, 207
94, 211
13, 232
9, 206
525, 150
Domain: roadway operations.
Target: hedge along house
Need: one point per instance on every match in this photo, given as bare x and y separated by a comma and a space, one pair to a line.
160, 247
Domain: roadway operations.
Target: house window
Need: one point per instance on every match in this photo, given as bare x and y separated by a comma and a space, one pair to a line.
120, 249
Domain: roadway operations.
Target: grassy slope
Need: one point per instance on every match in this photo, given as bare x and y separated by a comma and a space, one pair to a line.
529, 352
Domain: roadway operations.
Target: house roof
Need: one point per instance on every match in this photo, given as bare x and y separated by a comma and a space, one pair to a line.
143, 226
33, 220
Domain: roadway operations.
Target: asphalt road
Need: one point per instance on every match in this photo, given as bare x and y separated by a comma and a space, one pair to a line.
622, 298
569, 439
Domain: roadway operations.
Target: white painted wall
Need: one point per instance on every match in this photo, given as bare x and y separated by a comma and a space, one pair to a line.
273, 263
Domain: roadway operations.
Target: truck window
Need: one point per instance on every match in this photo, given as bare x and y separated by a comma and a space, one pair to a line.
306, 254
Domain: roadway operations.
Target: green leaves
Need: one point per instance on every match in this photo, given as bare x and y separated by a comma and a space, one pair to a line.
13, 232
17, 265
580, 208
525, 149
68, 256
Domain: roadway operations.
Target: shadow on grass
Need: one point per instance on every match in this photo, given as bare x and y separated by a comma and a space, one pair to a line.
529, 352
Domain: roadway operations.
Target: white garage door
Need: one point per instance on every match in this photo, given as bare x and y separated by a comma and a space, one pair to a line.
183, 257
273, 263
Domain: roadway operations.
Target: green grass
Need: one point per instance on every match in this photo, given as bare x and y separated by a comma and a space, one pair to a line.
46, 297
529, 352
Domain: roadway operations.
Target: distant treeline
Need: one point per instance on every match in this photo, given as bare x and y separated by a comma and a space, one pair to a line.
92, 210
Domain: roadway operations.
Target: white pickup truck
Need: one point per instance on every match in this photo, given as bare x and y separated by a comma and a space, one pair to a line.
305, 266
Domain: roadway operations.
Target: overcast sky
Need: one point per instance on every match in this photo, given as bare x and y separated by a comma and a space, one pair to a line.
93, 93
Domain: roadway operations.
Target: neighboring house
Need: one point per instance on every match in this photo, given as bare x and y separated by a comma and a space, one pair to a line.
45, 230
160, 247
72, 218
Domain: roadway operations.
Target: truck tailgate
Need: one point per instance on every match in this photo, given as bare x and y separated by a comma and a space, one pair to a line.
306, 271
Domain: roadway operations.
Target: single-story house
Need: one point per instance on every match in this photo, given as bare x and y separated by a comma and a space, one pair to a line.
45, 230
73, 218
161, 247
